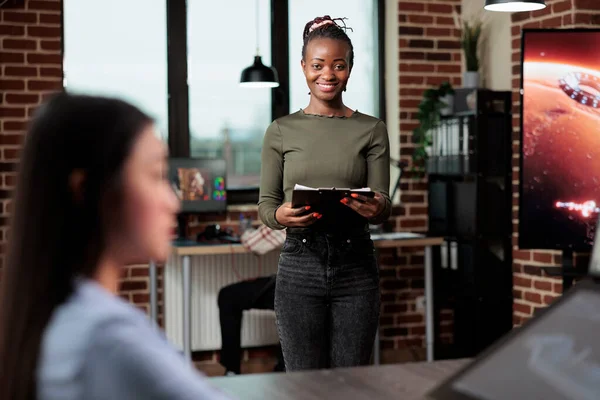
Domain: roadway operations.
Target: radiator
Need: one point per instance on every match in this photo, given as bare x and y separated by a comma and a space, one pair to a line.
208, 275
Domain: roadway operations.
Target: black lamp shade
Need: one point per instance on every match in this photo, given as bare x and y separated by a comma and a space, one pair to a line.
514, 5
259, 75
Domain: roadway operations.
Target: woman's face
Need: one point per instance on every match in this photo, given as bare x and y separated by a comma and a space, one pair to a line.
150, 205
326, 67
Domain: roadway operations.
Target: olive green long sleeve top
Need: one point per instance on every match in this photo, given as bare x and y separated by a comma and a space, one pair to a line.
320, 151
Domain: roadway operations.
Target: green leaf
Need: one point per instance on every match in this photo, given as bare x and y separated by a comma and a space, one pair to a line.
428, 115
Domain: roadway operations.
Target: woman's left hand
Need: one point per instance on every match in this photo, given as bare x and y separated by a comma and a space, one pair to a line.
368, 207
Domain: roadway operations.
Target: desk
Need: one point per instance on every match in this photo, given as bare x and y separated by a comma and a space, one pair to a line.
382, 241
410, 381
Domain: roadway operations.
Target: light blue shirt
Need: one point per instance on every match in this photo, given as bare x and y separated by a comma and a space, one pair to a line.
97, 346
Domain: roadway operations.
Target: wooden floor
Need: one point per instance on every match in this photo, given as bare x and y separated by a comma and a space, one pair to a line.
212, 368
254, 366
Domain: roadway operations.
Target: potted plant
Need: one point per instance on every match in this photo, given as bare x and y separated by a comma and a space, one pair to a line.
433, 105
471, 32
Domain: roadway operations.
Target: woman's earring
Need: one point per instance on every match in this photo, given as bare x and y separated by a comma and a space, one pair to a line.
309, 93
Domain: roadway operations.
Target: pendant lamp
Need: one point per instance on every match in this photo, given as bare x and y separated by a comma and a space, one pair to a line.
259, 75
514, 5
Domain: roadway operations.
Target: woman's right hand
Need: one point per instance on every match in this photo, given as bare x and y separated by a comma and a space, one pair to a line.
296, 217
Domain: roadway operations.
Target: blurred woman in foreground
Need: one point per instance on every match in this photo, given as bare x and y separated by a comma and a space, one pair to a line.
91, 198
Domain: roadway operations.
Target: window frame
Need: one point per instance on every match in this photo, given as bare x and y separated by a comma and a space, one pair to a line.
177, 78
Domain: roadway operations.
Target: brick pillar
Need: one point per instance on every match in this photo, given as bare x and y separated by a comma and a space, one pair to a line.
429, 55
30, 69
429, 52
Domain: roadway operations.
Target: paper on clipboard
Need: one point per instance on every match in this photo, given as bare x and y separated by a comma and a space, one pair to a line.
302, 187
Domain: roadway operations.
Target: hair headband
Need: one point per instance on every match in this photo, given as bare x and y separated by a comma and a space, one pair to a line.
318, 24
326, 20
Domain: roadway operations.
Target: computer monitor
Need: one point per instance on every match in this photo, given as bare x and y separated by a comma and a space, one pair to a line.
199, 184
555, 355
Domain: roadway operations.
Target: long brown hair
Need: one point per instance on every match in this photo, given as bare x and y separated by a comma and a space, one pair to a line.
54, 235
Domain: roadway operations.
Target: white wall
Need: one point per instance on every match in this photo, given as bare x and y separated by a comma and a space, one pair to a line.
496, 65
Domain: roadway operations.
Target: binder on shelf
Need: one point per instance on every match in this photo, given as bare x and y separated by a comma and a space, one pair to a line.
324, 197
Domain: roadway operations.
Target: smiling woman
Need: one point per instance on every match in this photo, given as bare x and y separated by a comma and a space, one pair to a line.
327, 291
364, 22
327, 59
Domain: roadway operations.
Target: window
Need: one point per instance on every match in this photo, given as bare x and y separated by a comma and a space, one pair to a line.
111, 50
363, 86
181, 61
226, 120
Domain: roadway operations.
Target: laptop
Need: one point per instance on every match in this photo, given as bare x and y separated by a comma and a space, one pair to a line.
555, 355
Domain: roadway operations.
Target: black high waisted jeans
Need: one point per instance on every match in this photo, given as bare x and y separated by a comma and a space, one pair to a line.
327, 299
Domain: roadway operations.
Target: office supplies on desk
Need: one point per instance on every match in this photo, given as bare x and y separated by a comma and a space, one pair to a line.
245, 223
213, 234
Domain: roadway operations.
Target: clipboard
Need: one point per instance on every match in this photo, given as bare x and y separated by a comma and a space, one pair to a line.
320, 198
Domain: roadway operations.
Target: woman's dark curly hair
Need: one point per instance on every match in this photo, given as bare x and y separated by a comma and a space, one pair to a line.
327, 28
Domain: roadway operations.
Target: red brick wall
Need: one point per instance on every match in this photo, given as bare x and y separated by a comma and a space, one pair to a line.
429, 52
532, 289
30, 68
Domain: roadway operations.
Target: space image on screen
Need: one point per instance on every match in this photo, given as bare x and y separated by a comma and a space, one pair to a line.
199, 184
559, 197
